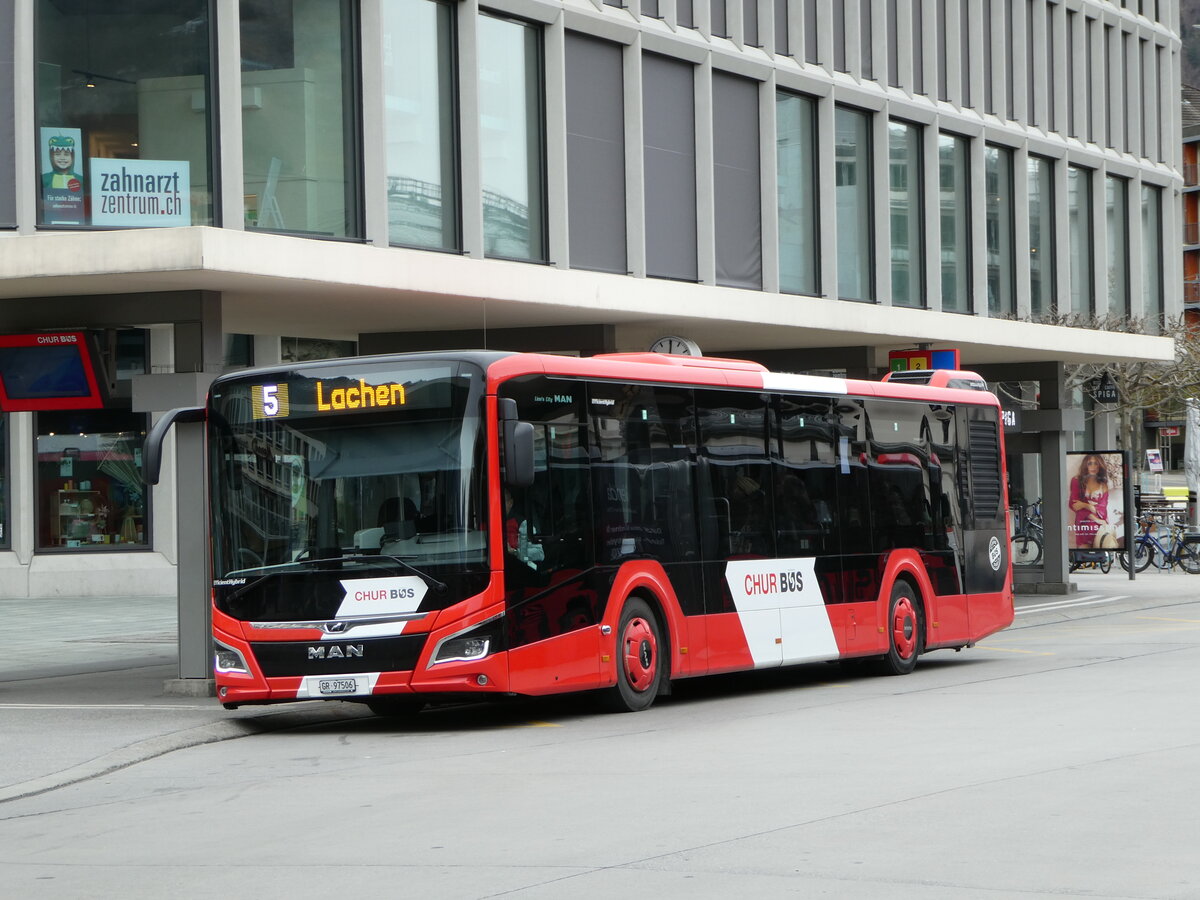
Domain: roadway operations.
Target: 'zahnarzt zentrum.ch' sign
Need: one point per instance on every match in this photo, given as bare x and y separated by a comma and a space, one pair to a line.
141, 193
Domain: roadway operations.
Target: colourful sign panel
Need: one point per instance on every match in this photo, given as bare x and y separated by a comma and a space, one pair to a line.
905, 360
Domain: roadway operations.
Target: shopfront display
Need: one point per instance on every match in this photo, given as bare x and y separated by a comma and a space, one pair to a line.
89, 484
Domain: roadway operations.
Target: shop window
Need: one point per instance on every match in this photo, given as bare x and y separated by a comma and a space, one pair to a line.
89, 485
124, 117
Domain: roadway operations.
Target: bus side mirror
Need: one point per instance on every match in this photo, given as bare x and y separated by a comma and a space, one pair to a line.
152, 462
518, 446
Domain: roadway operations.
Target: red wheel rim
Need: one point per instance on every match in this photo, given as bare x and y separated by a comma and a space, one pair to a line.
639, 651
904, 628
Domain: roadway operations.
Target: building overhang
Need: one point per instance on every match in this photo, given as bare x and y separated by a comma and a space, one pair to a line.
278, 284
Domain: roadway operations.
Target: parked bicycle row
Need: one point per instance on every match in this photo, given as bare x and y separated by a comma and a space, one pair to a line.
1163, 540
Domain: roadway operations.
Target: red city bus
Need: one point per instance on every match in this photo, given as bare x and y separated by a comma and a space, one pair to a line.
398, 530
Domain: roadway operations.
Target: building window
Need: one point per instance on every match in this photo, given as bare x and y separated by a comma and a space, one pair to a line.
852, 181
737, 185
89, 486
298, 349
1079, 231
596, 154
124, 113
684, 16
420, 98
299, 124
1116, 206
998, 179
719, 18
1153, 303
669, 154
796, 151
510, 137
954, 201
905, 206
1041, 237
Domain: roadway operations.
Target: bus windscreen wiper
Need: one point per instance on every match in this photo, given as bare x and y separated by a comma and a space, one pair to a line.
376, 558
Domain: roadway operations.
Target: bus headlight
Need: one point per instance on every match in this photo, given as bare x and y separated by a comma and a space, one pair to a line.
463, 649
226, 659
474, 643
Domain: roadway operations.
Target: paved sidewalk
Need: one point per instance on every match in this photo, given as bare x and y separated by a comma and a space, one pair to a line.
82, 681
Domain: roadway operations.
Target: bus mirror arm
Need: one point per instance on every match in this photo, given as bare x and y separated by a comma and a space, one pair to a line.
518, 446
158, 434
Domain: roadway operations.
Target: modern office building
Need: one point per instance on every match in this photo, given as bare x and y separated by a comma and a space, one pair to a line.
195, 185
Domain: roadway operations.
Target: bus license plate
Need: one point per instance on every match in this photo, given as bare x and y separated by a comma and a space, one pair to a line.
329, 686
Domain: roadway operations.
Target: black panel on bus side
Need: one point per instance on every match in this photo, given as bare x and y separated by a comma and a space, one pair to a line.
982, 485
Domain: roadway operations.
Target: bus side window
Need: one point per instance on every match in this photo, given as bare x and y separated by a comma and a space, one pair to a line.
737, 505
805, 477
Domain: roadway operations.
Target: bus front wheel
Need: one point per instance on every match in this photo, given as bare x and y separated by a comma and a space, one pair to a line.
904, 628
639, 659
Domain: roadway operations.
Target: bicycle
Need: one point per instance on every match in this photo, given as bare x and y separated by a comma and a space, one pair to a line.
1182, 548
1025, 545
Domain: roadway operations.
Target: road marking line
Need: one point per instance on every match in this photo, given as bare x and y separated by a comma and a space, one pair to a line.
1169, 619
1068, 604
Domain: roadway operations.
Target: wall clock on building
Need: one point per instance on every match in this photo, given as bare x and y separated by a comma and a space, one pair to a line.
677, 345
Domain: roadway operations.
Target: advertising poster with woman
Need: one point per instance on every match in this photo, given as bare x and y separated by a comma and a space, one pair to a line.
1095, 501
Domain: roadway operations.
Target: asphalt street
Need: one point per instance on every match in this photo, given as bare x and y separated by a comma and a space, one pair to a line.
82, 681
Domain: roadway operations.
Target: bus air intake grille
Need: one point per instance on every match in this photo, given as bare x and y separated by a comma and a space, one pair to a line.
289, 658
986, 486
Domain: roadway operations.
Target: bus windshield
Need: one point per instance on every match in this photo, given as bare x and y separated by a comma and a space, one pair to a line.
327, 471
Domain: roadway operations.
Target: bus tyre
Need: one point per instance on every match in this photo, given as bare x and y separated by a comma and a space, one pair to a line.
399, 707
904, 628
639, 660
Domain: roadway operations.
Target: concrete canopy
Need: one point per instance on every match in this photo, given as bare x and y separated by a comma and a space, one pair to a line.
278, 284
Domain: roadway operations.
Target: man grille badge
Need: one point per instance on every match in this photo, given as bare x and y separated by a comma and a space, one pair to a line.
335, 627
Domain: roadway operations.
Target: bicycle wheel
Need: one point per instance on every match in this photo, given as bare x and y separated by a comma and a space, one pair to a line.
1142, 555
1026, 550
1189, 557
1106, 561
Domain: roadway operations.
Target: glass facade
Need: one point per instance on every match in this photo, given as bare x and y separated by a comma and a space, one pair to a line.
511, 139
796, 154
1041, 237
954, 201
1001, 278
1152, 262
124, 123
906, 205
1116, 208
1079, 233
420, 98
852, 167
300, 148
88, 480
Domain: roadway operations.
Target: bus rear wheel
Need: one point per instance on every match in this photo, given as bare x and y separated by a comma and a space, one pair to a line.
905, 631
639, 660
